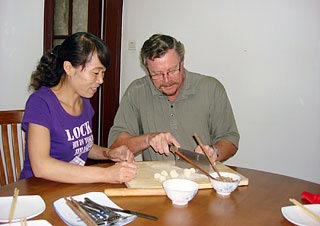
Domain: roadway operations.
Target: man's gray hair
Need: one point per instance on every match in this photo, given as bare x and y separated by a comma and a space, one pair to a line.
158, 45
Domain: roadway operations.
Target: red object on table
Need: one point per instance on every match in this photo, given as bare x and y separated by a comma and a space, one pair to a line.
312, 198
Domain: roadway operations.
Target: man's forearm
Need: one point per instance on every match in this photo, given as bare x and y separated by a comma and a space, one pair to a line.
135, 144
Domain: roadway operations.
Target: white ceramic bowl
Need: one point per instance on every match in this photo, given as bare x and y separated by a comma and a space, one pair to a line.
223, 187
180, 191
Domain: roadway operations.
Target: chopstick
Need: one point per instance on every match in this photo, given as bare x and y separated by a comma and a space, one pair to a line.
23, 222
306, 210
77, 209
213, 164
175, 150
13, 204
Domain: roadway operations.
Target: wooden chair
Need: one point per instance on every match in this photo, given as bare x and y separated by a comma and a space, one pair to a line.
11, 146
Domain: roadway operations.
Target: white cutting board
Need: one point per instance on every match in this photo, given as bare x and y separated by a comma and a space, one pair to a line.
147, 169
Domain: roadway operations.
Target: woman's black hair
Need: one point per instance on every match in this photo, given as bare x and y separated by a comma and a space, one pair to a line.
78, 49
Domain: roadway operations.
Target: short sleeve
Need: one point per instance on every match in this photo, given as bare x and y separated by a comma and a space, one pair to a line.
37, 112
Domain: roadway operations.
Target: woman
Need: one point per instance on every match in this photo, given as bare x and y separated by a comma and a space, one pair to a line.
58, 115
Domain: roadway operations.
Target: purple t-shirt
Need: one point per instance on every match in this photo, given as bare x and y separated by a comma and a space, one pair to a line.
71, 137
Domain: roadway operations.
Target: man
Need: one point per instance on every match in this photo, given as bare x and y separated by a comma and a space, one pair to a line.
170, 104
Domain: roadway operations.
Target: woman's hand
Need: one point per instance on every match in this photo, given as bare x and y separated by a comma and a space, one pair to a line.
121, 153
121, 172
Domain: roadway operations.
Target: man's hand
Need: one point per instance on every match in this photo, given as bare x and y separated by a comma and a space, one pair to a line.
211, 153
160, 142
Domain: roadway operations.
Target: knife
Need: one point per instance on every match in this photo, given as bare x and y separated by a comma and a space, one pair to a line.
198, 158
196, 165
138, 214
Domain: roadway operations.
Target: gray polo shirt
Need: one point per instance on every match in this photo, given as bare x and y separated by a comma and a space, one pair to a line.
202, 107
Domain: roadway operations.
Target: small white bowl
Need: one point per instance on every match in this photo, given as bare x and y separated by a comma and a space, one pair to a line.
180, 191
223, 187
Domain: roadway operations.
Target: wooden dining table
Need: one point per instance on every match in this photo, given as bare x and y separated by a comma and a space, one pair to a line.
257, 204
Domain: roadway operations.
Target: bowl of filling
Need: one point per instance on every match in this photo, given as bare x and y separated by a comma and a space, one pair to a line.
180, 191
227, 184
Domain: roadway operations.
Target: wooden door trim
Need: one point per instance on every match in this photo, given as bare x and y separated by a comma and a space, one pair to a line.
48, 25
111, 89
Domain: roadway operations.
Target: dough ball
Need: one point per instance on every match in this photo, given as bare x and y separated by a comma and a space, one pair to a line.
187, 173
164, 173
156, 176
173, 174
162, 178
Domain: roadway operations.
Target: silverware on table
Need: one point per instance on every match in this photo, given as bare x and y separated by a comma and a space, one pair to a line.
107, 209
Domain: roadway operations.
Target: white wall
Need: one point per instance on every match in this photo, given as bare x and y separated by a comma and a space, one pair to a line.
266, 53
21, 45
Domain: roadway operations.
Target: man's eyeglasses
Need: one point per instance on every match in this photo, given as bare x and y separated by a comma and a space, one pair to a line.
160, 74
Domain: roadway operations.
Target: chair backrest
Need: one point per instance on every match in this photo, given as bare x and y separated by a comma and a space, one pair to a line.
11, 146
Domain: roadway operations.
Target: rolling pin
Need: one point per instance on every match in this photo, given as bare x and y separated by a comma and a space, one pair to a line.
134, 191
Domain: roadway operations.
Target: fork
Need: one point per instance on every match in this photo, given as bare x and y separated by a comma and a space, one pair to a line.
101, 215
